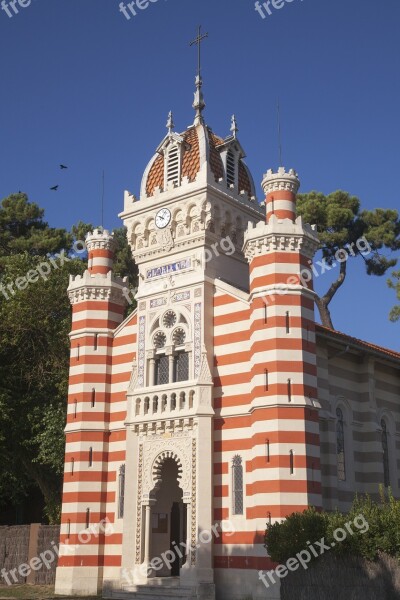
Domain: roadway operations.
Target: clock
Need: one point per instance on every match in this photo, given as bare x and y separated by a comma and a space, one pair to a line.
163, 218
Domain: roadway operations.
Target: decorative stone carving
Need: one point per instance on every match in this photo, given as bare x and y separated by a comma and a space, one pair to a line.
134, 379
142, 351
180, 296
156, 451
197, 339
157, 302
165, 239
193, 532
205, 375
139, 507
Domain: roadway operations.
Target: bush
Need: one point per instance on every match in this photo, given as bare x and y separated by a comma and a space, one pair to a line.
375, 528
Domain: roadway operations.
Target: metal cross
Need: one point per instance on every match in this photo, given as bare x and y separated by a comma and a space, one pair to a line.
198, 41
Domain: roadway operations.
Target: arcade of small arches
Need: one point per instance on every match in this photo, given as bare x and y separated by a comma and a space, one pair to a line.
188, 220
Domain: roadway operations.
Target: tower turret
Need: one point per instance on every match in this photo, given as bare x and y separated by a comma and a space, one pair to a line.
284, 403
98, 301
101, 246
280, 190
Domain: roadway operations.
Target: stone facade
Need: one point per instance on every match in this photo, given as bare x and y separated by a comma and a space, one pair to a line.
213, 408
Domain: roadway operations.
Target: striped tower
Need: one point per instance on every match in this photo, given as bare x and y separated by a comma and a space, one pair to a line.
98, 303
284, 470
100, 245
280, 193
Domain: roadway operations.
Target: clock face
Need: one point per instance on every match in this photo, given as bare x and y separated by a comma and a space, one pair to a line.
163, 218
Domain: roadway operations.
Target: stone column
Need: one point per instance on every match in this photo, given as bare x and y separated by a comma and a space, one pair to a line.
171, 357
147, 534
188, 533
152, 367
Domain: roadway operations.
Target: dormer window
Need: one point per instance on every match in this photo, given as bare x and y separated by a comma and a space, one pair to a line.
230, 168
231, 153
173, 165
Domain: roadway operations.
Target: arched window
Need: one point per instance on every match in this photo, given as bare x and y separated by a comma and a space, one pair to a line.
289, 390
385, 449
181, 366
161, 371
340, 450
237, 485
121, 491
291, 462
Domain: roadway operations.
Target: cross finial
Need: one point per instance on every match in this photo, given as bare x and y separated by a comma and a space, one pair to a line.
170, 122
199, 103
234, 126
200, 37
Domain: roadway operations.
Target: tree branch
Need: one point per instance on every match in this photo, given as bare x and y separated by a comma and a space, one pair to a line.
335, 285
324, 301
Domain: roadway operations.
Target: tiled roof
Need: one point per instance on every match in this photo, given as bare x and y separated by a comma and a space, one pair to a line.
155, 177
244, 181
215, 158
190, 165
343, 337
191, 158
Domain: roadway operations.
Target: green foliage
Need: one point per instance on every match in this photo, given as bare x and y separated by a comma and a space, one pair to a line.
375, 527
34, 349
22, 229
340, 222
34, 363
288, 538
394, 284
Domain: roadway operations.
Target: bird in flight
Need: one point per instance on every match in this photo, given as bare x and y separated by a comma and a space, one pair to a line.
54, 188
63, 167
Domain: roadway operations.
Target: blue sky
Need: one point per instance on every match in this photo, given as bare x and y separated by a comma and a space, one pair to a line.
83, 85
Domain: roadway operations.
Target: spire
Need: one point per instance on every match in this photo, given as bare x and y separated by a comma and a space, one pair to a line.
170, 123
199, 103
234, 127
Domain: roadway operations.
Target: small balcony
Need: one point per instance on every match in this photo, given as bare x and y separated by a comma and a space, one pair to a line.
171, 401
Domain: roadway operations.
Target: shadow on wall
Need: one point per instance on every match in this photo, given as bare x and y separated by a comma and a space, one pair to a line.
336, 578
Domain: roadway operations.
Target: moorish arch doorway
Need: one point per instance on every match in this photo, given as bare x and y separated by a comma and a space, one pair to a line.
168, 522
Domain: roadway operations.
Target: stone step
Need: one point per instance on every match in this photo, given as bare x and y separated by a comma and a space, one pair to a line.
154, 592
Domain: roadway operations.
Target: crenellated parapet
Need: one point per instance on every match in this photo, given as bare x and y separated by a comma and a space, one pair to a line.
97, 287
280, 190
280, 235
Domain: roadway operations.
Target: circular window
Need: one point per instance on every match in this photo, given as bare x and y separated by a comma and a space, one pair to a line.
169, 319
160, 339
179, 337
